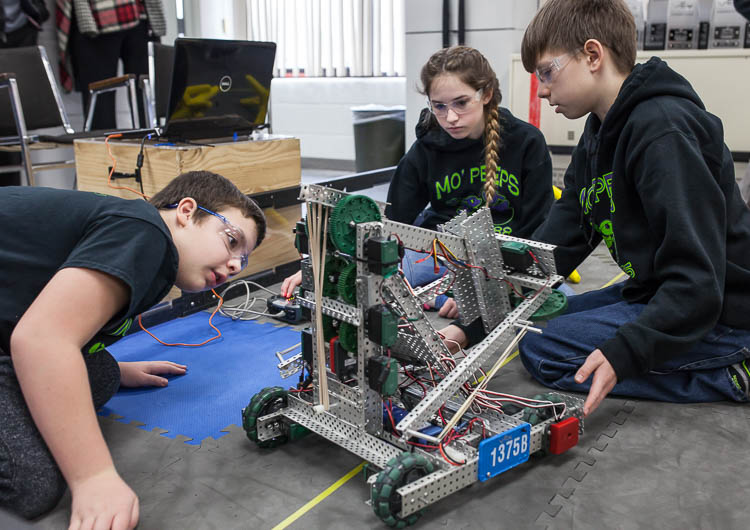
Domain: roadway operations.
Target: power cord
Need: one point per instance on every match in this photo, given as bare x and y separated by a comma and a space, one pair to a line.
244, 309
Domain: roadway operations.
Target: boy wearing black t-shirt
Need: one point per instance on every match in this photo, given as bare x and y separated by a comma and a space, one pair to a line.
75, 268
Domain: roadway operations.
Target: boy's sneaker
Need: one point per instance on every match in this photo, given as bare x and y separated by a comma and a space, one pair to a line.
740, 375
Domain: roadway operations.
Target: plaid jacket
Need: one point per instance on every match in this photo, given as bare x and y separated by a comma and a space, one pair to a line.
96, 17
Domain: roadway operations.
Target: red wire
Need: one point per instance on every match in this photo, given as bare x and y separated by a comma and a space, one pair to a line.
210, 323
445, 457
114, 165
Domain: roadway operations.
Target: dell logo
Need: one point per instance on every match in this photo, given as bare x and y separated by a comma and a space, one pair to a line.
225, 83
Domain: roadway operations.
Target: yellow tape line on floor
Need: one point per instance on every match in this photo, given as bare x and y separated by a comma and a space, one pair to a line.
310, 505
613, 280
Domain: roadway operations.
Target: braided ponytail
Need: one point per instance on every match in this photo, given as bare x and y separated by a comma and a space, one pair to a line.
491, 147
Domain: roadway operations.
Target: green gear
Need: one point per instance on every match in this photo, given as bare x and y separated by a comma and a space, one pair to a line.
348, 337
350, 211
399, 471
331, 274
268, 400
348, 284
555, 305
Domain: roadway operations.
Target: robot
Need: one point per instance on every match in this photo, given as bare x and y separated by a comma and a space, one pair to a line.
381, 381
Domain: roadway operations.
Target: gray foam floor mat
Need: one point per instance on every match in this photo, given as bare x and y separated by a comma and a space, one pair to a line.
669, 466
231, 483
639, 465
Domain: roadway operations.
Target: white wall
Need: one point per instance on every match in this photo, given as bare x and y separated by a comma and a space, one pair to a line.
318, 110
494, 27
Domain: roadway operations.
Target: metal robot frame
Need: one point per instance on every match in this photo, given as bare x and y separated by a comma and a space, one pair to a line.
419, 465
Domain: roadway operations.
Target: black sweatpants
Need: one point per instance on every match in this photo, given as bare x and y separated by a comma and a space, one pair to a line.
95, 58
31, 483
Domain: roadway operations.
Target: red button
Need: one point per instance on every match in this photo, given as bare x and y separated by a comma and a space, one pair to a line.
563, 435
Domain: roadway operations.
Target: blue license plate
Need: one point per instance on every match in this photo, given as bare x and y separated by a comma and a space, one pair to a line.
504, 451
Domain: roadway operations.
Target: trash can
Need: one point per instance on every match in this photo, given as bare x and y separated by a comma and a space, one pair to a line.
379, 136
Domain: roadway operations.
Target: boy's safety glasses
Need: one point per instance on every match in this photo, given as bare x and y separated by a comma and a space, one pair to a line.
459, 106
548, 72
232, 236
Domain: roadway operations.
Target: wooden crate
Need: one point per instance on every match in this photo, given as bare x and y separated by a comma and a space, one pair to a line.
254, 166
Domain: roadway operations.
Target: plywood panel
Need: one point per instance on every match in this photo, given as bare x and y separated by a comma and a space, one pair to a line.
254, 166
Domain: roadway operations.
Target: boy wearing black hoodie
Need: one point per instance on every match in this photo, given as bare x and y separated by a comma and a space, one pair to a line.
652, 178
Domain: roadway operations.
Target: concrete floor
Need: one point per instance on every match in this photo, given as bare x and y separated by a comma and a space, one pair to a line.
639, 465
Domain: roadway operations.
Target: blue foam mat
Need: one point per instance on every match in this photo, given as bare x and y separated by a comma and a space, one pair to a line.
222, 375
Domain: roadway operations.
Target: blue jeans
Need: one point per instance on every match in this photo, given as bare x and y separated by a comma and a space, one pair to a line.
698, 375
419, 274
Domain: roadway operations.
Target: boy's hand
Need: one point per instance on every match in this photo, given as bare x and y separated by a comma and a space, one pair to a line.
449, 309
145, 373
290, 284
453, 336
603, 382
103, 501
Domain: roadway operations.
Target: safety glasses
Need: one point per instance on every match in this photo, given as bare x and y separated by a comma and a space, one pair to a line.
232, 236
459, 106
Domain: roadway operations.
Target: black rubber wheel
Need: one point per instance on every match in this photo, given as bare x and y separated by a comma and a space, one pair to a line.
266, 401
399, 471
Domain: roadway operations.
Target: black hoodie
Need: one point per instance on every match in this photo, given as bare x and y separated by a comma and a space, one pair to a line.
656, 182
449, 174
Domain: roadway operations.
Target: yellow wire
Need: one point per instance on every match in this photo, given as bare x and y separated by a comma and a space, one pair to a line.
310, 505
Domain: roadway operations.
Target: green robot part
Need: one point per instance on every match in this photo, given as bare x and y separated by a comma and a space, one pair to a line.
329, 328
267, 401
399, 471
332, 271
347, 286
348, 337
555, 305
348, 213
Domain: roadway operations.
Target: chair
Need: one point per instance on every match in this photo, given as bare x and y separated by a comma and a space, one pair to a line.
8, 81
156, 85
109, 85
31, 102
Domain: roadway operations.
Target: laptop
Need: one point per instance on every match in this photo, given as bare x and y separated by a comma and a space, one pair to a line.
219, 88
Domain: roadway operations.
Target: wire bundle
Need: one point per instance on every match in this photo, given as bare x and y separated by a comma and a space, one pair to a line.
243, 310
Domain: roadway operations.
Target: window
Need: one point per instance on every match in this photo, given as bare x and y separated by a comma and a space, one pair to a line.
327, 38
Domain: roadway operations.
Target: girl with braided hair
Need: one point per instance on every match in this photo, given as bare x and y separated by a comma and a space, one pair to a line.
469, 153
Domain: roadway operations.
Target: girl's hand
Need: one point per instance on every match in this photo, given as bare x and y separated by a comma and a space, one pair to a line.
290, 284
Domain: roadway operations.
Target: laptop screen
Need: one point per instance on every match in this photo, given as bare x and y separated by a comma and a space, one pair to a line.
219, 87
